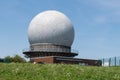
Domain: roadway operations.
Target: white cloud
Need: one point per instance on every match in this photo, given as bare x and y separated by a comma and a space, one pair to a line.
109, 11
100, 19
109, 3
111, 6
106, 3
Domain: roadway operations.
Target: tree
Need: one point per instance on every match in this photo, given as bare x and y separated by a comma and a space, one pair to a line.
8, 59
1, 60
99, 62
18, 59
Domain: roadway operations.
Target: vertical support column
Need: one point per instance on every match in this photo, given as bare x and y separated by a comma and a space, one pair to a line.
103, 62
115, 61
119, 62
109, 62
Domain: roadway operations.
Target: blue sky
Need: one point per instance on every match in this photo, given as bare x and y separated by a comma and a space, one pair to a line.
96, 24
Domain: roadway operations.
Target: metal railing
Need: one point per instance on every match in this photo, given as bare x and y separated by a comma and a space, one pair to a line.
52, 50
112, 61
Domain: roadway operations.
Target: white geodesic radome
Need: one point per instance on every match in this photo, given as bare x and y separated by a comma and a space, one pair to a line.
51, 27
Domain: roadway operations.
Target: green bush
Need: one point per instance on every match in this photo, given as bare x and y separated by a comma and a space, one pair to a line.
15, 59
8, 59
18, 59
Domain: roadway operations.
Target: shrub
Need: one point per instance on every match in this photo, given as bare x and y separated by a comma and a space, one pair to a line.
18, 59
8, 59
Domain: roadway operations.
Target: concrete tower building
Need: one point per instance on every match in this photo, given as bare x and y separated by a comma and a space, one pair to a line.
51, 35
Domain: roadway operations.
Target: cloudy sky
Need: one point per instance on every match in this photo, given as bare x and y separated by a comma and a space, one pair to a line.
96, 24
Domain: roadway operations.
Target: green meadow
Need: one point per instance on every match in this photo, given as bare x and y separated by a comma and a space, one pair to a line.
28, 71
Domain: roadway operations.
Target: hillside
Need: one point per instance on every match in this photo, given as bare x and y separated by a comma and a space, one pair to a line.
28, 71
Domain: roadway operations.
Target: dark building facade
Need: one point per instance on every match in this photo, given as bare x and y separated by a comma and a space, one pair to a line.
59, 58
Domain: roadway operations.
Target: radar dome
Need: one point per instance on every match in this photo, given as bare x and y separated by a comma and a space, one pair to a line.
51, 27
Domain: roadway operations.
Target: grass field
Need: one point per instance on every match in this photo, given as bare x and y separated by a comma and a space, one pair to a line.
27, 71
